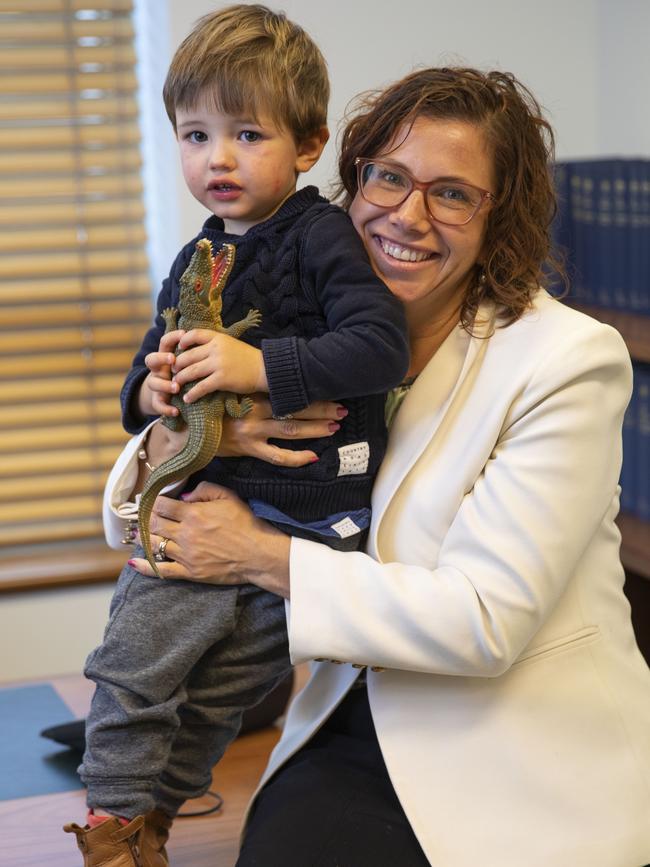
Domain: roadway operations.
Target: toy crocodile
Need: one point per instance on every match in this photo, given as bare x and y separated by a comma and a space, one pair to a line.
199, 306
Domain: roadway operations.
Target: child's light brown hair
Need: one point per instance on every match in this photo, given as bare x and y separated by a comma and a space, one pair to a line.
248, 59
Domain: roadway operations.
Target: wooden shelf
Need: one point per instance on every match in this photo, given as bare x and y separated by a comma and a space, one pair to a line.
635, 330
635, 547
62, 565
633, 327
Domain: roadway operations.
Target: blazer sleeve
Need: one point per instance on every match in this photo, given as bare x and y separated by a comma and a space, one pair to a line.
511, 548
365, 350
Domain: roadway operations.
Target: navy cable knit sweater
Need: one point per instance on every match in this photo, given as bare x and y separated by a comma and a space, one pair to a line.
331, 330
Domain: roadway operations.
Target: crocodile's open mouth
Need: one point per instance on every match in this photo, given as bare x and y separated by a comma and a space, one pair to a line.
222, 264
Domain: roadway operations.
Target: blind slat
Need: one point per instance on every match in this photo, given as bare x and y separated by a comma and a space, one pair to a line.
123, 80
72, 163
68, 362
14, 57
31, 29
15, 535
75, 295
32, 415
44, 6
52, 436
39, 110
98, 458
86, 337
62, 213
64, 387
121, 284
50, 487
138, 311
71, 188
94, 237
42, 139
56, 264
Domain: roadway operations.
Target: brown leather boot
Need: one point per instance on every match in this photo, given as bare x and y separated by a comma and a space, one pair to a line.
110, 844
154, 838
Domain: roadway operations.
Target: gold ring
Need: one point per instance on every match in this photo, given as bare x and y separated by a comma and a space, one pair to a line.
160, 555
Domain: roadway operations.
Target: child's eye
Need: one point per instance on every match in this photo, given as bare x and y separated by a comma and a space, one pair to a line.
249, 135
197, 136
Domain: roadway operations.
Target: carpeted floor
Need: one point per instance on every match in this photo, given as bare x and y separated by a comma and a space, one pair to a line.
31, 765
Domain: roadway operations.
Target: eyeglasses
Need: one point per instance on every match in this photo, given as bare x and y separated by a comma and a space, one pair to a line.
388, 185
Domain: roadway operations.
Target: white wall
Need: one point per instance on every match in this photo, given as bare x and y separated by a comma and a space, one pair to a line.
623, 77
587, 61
50, 632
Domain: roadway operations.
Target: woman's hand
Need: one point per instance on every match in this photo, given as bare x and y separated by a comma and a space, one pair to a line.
249, 436
214, 538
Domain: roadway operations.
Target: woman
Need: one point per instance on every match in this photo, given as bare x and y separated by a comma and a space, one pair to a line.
510, 703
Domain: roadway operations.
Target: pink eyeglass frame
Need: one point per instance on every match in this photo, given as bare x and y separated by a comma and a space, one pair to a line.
360, 162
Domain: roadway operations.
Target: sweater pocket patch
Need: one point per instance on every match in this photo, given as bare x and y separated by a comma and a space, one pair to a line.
353, 459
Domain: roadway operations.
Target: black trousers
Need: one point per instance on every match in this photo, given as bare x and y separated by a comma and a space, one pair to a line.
332, 804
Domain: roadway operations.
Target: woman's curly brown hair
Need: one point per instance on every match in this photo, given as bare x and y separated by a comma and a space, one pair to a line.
518, 242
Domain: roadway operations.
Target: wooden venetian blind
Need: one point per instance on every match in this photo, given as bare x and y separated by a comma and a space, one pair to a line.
74, 287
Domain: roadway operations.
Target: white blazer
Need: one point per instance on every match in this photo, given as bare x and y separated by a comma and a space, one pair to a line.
514, 711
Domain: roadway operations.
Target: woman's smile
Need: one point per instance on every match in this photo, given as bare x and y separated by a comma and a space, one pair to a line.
403, 252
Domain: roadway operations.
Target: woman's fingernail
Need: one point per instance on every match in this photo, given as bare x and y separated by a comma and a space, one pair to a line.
314, 459
341, 412
131, 563
333, 426
185, 496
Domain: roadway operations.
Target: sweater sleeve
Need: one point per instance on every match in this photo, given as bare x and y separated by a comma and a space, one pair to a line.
365, 350
132, 419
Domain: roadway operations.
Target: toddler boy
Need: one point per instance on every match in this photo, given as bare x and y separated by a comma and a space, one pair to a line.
247, 95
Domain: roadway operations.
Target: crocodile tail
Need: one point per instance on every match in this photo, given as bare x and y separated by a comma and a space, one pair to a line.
201, 446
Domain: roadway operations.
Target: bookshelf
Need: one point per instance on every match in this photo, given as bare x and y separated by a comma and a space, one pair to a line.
635, 330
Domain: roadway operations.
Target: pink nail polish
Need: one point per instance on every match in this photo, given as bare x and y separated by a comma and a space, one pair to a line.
333, 426
314, 459
341, 412
131, 563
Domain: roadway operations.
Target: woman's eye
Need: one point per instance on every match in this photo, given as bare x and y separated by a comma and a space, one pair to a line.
249, 135
454, 195
393, 179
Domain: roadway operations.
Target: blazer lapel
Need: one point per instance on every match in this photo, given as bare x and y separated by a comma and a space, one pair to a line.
416, 422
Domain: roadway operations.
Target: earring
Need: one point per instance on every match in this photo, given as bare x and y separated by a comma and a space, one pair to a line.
482, 278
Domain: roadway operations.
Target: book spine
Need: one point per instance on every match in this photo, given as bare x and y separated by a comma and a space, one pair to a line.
634, 235
601, 253
643, 444
619, 236
644, 281
561, 234
630, 436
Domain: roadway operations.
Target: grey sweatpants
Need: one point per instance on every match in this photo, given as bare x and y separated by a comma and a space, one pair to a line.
179, 663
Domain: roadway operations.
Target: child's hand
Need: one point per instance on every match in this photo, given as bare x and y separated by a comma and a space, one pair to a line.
220, 362
158, 387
